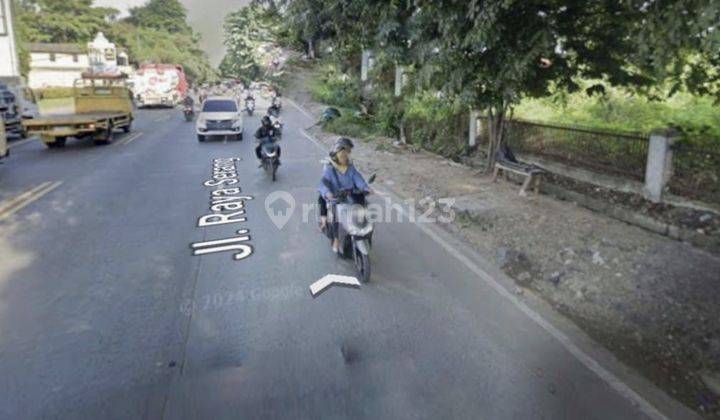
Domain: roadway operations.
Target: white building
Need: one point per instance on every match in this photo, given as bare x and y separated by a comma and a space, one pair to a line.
59, 65
56, 65
9, 64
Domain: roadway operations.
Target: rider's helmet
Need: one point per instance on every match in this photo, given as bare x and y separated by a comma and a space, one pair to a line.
340, 144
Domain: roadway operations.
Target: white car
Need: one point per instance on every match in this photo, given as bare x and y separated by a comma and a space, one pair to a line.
219, 116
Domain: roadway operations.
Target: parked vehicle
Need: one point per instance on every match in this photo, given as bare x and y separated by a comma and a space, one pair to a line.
10, 113
159, 85
354, 227
4, 149
102, 104
270, 155
220, 116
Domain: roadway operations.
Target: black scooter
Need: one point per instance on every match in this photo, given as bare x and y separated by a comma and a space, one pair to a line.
348, 213
270, 155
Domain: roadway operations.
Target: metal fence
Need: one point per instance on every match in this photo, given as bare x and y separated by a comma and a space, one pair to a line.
696, 170
619, 153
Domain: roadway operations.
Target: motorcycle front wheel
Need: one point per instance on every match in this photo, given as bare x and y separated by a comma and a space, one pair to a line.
362, 265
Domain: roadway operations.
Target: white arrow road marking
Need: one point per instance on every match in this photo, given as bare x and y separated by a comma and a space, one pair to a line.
330, 280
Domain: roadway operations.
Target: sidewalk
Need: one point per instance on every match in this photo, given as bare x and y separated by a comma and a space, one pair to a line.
652, 301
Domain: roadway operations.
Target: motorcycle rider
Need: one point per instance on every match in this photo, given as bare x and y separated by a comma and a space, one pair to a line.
189, 102
341, 174
263, 134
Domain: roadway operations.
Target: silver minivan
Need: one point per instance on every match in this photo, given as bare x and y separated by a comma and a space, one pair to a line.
219, 116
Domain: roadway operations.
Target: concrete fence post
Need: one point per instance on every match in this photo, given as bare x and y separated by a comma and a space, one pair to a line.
366, 65
398, 81
658, 169
475, 127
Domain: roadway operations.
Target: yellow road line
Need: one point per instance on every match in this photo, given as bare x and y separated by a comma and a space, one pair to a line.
20, 142
18, 203
127, 140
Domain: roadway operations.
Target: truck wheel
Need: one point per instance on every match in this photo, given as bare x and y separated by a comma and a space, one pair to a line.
106, 136
127, 128
238, 137
60, 141
201, 138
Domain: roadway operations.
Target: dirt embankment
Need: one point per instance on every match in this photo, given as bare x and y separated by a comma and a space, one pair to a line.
653, 301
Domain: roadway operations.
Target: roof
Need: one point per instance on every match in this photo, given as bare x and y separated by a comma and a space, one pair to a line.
55, 48
220, 98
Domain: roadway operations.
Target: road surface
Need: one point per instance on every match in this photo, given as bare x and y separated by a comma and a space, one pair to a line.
106, 313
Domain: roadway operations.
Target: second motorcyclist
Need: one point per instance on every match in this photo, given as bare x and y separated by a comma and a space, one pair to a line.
266, 132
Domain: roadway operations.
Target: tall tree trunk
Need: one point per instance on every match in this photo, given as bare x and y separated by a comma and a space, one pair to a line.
496, 122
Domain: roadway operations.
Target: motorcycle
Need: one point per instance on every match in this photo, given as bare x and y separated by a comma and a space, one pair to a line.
250, 106
270, 155
189, 113
348, 212
274, 110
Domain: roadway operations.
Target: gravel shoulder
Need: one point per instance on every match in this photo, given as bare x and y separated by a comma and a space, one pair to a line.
651, 300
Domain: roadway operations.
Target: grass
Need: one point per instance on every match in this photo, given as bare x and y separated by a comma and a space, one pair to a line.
696, 117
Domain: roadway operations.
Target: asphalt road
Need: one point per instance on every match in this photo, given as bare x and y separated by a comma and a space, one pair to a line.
105, 313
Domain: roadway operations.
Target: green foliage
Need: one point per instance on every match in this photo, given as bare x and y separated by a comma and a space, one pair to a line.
159, 46
437, 123
332, 87
61, 21
694, 116
251, 37
162, 15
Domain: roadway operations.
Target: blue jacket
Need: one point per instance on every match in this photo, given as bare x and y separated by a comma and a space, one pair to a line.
351, 179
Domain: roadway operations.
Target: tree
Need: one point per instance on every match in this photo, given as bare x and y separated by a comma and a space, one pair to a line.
165, 15
493, 53
309, 21
62, 21
250, 37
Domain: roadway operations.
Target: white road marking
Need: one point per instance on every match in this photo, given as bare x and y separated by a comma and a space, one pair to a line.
129, 139
18, 203
20, 142
611, 379
331, 280
299, 108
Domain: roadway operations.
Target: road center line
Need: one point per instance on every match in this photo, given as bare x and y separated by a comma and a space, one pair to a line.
26, 198
588, 361
130, 139
20, 142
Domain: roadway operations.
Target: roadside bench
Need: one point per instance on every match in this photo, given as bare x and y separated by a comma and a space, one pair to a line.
505, 161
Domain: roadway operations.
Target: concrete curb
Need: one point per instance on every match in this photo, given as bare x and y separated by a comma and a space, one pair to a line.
636, 219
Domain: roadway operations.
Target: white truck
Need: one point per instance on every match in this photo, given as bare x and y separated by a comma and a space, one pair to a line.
159, 85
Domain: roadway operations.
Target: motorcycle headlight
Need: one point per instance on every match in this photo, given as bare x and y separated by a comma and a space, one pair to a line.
358, 223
